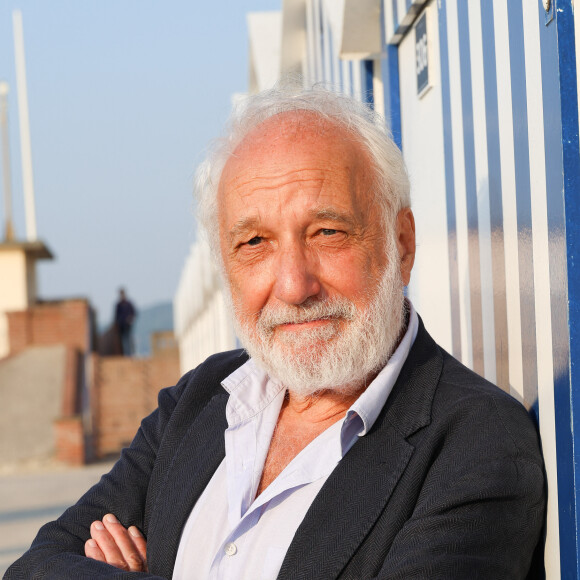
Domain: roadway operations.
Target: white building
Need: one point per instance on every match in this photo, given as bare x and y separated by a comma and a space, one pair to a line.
202, 326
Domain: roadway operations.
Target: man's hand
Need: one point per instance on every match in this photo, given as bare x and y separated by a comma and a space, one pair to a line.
120, 547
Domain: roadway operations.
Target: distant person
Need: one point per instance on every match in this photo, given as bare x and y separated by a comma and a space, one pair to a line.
125, 314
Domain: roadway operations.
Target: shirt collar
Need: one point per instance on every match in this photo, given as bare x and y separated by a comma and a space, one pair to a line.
251, 391
373, 399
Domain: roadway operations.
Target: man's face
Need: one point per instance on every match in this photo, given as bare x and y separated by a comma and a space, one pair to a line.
303, 241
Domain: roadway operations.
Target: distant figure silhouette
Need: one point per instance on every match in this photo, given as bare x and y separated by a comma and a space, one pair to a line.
125, 314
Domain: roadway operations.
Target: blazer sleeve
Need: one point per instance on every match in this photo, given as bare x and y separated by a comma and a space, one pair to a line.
481, 507
58, 550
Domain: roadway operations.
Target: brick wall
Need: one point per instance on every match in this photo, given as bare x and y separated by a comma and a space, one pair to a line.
67, 322
69, 436
124, 391
69, 440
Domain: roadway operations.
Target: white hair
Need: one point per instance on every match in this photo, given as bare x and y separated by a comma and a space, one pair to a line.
391, 182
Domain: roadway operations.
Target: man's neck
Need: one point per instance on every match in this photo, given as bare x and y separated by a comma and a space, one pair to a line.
320, 407
301, 420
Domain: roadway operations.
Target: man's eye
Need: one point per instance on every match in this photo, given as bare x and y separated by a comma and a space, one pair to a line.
328, 232
254, 241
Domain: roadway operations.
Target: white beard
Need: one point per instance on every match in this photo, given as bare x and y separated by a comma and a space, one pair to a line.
339, 356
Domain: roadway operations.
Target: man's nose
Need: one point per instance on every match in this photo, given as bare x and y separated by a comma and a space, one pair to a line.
296, 276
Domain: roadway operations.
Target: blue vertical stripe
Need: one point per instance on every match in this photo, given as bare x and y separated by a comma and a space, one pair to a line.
523, 200
449, 182
470, 188
321, 40
331, 51
350, 75
495, 197
571, 188
395, 14
554, 152
390, 76
367, 75
395, 97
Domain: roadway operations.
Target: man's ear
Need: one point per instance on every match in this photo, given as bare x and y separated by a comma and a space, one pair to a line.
406, 242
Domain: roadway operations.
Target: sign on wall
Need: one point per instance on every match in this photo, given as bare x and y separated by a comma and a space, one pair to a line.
421, 54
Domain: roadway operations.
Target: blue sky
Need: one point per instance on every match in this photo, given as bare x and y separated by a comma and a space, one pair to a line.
124, 95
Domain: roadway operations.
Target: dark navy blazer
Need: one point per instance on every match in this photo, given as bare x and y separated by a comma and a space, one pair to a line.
449, 483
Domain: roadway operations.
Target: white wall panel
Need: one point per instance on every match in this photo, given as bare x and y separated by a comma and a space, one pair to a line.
542, 277
460, 190
423, 151
509, 196
481, 173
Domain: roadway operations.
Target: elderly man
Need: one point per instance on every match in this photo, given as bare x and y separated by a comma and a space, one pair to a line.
343, 442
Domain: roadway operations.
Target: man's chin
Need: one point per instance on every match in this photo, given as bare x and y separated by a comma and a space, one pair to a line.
305, 336
301, 351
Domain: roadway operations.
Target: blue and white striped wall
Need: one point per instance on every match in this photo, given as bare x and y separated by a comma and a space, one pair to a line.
491, 144
492, 149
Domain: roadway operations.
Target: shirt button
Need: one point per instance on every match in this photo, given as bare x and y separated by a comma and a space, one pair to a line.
230, 549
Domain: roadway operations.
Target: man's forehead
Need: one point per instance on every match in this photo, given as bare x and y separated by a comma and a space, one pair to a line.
305, 125
282, 138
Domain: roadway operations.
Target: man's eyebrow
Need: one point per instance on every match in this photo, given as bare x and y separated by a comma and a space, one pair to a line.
243, 226
328, 213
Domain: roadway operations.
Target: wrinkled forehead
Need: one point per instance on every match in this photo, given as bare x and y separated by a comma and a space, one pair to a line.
284, 138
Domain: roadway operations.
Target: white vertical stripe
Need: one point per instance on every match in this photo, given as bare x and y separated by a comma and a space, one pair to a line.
326, 31
334, 56
316, 38
388, 19
356, 80
378, 87
310, 73
508, 182
346, 80
335, 68
401, 10
460, 193
482, 180
542, 276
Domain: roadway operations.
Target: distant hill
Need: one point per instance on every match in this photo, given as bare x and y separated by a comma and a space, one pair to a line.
151, 319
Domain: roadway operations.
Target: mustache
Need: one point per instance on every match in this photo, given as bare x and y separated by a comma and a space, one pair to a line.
312, 309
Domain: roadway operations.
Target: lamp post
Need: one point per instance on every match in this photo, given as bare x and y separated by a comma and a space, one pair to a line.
25, 149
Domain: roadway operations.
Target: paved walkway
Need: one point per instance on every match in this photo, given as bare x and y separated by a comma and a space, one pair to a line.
30, 499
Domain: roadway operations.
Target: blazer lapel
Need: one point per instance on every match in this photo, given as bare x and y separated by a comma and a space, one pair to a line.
346, 507
195, 461
358, 490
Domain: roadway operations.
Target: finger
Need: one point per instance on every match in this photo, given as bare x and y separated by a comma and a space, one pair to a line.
139, 541
133, 549
108, 546
93, 551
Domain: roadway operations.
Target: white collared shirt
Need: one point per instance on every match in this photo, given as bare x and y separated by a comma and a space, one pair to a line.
231, 533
